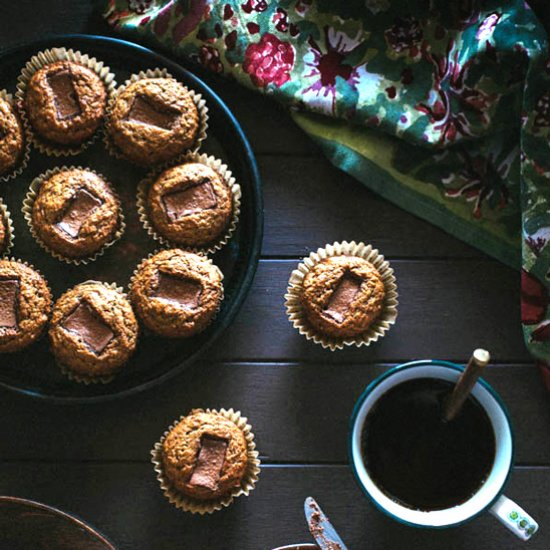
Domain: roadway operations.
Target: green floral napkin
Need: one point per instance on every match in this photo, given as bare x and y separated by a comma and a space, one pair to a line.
442, 107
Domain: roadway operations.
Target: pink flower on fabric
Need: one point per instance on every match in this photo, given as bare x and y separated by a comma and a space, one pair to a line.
209, 57
269, 61
534, 299
487, 28
326, 62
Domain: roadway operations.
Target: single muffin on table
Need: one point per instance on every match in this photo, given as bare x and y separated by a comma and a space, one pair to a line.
190, 205
153, 120
75, 213
176, 293
12, 138
205, 455
25, 305
65, 102
93, 331
342, 296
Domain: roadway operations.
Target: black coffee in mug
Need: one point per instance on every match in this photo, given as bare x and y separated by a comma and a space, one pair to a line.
417, 458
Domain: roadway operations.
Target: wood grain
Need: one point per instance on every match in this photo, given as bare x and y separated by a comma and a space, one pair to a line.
447, 309
270, 517
299, 413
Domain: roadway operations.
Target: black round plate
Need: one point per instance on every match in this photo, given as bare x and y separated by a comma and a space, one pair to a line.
33, 371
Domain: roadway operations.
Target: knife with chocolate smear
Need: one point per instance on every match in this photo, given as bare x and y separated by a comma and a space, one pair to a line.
320, 527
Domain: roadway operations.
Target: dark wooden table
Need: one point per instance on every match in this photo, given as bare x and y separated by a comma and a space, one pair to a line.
94, 460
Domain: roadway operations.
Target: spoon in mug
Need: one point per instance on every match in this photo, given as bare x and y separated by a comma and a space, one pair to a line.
478, 361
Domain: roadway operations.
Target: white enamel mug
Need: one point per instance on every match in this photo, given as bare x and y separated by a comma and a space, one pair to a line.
488, 497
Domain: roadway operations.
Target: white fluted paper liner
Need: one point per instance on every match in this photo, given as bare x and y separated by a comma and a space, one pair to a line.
8, 224
135, 272
46, 57
297, 315
225, 174
24, 160
82, 378
28, 203
248, 482
197, 98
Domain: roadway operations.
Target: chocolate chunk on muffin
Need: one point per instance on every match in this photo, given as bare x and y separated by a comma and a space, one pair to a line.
176, 294
65, 102
12, 138
25, 305
93, 331
190, 205
342, 296
153, 120
205, 455
75, 213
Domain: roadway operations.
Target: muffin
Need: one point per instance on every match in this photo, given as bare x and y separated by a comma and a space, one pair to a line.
75, 213
190, 205
12, 138
342, 296
65, 102
205, 455
93, 330
5, 235
175, 293
25, 305
153, 120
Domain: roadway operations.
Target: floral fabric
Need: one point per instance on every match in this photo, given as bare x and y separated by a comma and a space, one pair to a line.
447, 102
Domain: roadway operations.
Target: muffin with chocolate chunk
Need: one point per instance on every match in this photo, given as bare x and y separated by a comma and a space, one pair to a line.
5, 229
190, 205
65, 102
75, 213
25, 305
153, 120
176, 293
12, 138
204, 456
93, 331
342, 296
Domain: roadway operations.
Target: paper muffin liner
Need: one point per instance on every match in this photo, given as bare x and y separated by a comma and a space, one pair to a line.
5, 216
24, 160
135, 272
82, 378
41, 59
236, 194
31, 266
27, 208
197, 98
379, 326
196, 506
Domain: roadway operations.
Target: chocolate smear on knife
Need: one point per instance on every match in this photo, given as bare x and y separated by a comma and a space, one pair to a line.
342, 297
9, 292
316, 528
85, 323
209, 464
65, 97
146, 111
82, 205
189, 200
179, 291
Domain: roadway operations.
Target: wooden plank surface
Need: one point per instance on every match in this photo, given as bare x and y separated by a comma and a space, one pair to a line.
271, 516
93, 460
446, 309
299, 413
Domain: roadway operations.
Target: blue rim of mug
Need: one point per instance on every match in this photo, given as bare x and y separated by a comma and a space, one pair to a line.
405, 366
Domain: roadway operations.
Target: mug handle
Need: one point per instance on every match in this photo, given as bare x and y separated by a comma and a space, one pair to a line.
514, 518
